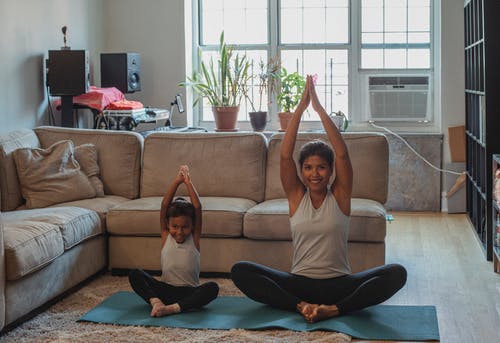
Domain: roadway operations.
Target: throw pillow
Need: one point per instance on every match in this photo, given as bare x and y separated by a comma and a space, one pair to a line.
51, 176
86, 155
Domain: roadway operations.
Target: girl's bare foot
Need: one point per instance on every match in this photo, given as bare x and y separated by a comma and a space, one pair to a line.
160, 310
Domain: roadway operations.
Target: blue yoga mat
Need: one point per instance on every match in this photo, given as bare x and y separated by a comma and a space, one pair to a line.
381, 322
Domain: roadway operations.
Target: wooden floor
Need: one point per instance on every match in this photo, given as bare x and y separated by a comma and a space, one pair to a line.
446, 268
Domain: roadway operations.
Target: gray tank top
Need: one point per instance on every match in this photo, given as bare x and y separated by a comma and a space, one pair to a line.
180, 263
319, 239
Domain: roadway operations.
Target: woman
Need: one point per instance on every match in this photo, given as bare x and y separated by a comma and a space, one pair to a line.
320, 284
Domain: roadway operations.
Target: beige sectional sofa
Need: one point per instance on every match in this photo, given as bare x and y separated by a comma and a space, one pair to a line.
49, 250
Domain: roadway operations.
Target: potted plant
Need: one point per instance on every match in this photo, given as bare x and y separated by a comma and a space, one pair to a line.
292, 87
267, 78
223, 83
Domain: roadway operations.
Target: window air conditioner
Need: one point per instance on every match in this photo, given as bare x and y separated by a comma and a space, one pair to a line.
399, 98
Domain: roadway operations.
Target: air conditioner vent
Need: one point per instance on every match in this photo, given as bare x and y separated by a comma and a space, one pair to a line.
398, 80
398, 98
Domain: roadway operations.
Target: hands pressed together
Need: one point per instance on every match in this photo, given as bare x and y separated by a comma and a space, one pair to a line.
309, 96
183, 175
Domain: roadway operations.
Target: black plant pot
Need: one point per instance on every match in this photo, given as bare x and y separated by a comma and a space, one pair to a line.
258, 120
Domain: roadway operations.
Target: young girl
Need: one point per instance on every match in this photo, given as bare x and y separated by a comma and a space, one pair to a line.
320, 284
179, 289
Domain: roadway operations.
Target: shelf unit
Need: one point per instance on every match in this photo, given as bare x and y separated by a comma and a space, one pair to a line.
495, 210
482, 105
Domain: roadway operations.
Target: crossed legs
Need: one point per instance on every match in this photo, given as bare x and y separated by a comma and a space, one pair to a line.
167, 299
318, 299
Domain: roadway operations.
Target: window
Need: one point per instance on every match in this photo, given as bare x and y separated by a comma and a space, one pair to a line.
322, 37
395, 34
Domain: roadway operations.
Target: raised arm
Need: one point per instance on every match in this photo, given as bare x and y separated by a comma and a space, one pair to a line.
167, 199
342, 186
294, 188
292, 185
195, 200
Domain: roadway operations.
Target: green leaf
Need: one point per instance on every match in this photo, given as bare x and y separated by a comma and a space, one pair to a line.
222, 82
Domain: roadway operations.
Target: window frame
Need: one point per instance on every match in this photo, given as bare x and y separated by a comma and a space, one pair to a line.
357, 97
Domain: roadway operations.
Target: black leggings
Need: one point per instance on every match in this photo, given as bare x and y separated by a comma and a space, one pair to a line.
187, 297
348, 292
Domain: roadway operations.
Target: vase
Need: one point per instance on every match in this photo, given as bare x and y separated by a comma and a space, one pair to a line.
339, 122
284, 119
258, 120
225, 117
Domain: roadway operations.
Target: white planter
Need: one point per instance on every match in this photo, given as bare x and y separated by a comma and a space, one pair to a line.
339, 122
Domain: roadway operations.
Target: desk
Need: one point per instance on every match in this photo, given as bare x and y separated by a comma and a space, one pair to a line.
181, 129
96, 99
135, 120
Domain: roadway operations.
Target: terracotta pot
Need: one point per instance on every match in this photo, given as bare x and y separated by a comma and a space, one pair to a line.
226, 118
284, 119
258, 120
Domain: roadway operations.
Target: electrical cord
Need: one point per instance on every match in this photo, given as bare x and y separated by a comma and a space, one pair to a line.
415, 152
52, 120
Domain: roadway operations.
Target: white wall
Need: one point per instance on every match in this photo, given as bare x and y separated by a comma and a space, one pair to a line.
452, 69
156, 30
452, 82
29, 29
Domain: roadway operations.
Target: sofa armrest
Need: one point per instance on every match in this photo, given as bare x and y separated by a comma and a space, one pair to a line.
2, 276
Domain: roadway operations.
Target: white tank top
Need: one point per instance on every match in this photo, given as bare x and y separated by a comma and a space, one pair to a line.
180, 263
319, 238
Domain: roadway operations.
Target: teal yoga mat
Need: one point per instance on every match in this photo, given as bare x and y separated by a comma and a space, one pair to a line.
381, 322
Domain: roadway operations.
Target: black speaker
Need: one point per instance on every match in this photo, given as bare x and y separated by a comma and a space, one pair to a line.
68, 72
121, 70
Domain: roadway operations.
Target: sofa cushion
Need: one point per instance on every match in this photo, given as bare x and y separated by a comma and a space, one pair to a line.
86, 155
29, 246
50, 176
99, 205
368, 221
369, 158
269, 221
228, 165
222, 217
75, 224
119, 155
9, 182
138, 217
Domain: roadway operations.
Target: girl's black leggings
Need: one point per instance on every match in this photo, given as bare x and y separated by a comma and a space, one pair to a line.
187, 297
348, 292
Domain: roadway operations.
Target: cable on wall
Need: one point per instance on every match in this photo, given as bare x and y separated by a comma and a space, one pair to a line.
414, 151
52, 120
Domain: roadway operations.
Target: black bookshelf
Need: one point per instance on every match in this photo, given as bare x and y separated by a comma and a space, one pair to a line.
482, 106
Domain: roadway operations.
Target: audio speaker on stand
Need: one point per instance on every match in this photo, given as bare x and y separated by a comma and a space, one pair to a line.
121, 70
68, 74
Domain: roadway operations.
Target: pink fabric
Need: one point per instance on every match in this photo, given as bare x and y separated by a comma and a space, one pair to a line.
125, 105
97, 98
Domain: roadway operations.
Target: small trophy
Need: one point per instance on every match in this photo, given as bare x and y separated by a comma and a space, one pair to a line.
64, 29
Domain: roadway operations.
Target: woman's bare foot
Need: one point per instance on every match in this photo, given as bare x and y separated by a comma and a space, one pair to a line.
306, 309
314, 312
321, 312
